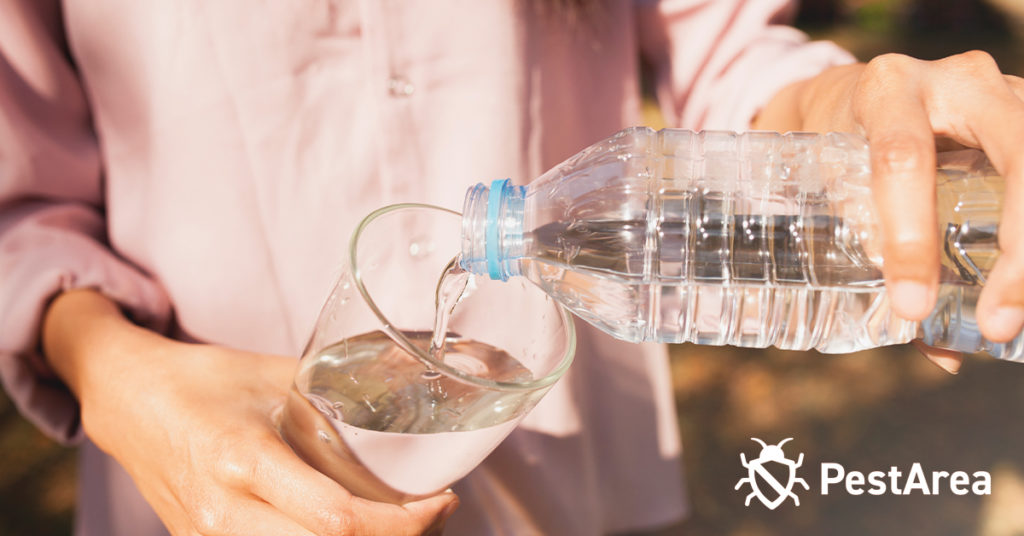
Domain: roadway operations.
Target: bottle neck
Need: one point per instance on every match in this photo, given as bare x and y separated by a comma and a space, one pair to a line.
492, 229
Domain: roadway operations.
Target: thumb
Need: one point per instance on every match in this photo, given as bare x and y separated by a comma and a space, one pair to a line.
425, 516
440, 506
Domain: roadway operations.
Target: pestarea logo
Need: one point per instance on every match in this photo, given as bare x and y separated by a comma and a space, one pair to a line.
757, 474
772, 491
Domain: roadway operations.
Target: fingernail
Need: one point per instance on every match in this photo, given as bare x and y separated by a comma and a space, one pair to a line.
911, 298
1007, 321
946, 363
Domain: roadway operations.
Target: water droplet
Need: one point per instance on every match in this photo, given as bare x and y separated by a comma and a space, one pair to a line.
430, 375
322, 435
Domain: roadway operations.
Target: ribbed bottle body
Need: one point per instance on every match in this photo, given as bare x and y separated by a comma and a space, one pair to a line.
755, 239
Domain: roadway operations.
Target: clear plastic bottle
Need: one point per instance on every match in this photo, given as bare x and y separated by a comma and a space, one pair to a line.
755, 239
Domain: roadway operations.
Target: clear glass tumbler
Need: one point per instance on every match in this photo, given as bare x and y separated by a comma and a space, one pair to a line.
373, 408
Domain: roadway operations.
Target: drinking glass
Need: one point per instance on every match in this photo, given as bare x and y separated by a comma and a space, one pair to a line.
373, 407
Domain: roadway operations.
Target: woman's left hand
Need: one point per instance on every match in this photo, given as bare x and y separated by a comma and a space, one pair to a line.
902, 105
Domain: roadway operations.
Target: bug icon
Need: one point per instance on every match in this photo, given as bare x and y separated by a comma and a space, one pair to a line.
756, 468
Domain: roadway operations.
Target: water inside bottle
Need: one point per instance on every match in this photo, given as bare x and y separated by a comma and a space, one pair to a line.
776, 250
797, 281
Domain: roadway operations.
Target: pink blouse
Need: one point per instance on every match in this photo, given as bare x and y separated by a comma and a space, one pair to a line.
211, 159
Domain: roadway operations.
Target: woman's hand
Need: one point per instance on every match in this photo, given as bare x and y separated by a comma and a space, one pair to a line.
192, 425
902, 105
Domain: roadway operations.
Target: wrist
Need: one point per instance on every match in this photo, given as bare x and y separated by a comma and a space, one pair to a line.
85, 336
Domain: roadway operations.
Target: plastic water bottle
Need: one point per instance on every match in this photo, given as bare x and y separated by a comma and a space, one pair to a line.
755, 239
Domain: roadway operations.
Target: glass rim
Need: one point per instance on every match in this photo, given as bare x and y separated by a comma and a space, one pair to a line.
405, 344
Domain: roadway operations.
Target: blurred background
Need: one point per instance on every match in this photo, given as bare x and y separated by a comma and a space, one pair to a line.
867, 411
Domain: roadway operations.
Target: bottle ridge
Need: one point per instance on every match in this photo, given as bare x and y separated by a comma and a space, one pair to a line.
750, 239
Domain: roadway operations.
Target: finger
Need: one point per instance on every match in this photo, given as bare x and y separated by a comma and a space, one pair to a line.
994, 120
246, 518
948, 360
325, 507
434, 510
1001, 305
889, 106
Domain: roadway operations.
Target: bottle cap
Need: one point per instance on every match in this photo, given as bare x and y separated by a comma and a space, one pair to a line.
491, 234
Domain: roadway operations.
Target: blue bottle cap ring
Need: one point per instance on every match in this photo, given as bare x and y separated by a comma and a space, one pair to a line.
494, 197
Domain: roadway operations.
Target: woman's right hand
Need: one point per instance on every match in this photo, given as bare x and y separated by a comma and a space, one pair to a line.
193, 425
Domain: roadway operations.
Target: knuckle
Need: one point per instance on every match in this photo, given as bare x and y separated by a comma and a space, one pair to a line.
237, 466
891, 64
975, 65
978, 58
914, 246
208, 520
898, 153
883, 77
336, 522
909, 260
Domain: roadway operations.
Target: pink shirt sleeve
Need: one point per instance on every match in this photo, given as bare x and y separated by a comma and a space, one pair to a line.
717, 62
52, 229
